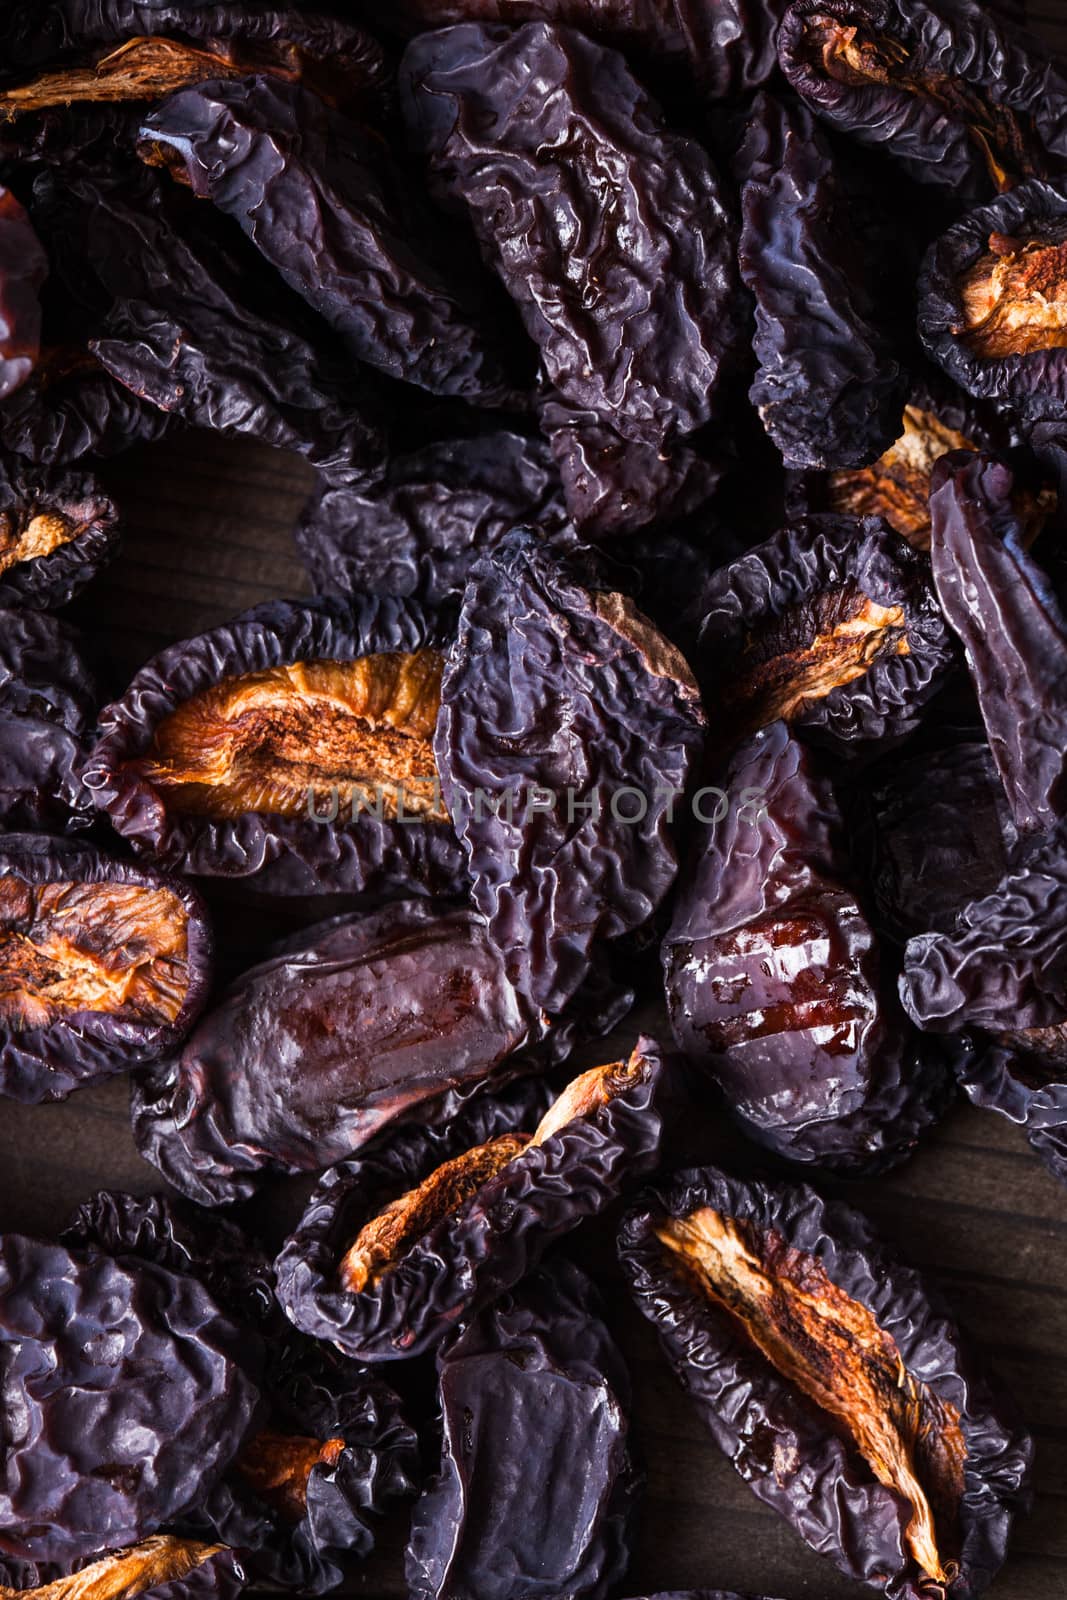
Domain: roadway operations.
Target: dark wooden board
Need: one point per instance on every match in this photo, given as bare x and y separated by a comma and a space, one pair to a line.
208, 534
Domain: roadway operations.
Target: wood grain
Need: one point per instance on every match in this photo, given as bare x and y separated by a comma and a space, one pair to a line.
208, 534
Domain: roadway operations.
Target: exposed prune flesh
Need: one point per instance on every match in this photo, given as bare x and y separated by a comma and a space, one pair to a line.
159, 1566
833, 625
436, 1222
56, 531
535, 1488
832, 1378
23, 269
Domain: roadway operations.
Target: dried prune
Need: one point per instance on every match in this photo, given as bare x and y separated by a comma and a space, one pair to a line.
324, 202
961, 97
625, 283
367, 1017
23, 269
331, 1448
47, 706
72, 408
832, 1378
431, 1226
56, 531
828, 387
418, 532
567, 732
163, 1567
292, 747
993, 300
535, 1488
1023, 1075
103, 965
775, 980
96, 1450
833, 625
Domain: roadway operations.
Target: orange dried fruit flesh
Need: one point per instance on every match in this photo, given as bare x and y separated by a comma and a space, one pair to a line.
125, 1574
1014, 299
33, 532
306, 735
897, 486
830, 1348
277, 1467
107, 947
385, 1239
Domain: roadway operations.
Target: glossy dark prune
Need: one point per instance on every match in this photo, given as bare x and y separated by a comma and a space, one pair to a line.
993, 300
291, 747
832, 1378
23, 269
556, 686
775, 981
163, 1567
48, 702
535, 1489
56, 531
831, 624
958, 95
828, 388
96, 1451
332, 1448
417, 533
397, 1245
104, 966
324, 202
72, 408
360, 1021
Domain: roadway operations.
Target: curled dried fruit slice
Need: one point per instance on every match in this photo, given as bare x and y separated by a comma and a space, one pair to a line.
56, 531
103, 965
832, 1379
396, 1245
160, 1564
293, 746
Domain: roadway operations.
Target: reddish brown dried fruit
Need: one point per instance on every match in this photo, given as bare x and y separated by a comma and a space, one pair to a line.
897, 485
1013, 301
125, 1574
277, 1466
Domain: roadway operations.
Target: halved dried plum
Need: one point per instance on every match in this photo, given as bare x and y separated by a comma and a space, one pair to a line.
56, 531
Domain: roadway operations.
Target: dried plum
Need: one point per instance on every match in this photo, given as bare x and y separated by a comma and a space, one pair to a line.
56, 531
48, 703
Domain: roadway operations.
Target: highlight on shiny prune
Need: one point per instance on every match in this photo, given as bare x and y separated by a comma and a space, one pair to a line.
163, 1566
535, 1489
56, 531
23, 269
396, 1245
832, 1378
959, 96
832, 625
292, 746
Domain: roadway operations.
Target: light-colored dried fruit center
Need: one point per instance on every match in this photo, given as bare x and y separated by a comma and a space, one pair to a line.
831, 1348
27, 537
383, 1242
1014, 299
126, 1573
105, 947
316, 733
278, 1467
897, 486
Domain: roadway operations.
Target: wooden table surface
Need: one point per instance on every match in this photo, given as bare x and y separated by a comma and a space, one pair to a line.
209, 534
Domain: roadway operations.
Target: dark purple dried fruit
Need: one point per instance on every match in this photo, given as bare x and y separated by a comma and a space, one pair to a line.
23, 269
72, 408
47, 707
1022, 1074
56, 531
832, 1378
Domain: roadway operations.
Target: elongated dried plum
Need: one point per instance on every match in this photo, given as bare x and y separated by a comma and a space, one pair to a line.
163, 1567
292, 746
832, 1378
23, 268
567, 732
833, 625
775, 980
368, 1017
828, 387
103, 965
56, 531
397, 1245
961, 97
93, 1441
535, 1489
48, 703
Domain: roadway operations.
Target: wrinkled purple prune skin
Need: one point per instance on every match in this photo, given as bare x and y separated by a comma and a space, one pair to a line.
775, 982
324, 203
1013, 632
535, 1489
1034, 383
48, 703
97, 1451
828, 388
280, 855
1005, 1078
309, 1054
486, 1247
785, 1448
58, 418
23, 269
54, 579
791, 570
49, 1063
310, 1394
556, 684
418, 532
983, 65
628, 289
